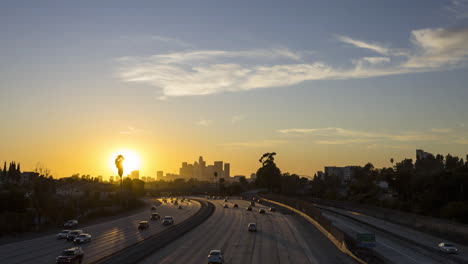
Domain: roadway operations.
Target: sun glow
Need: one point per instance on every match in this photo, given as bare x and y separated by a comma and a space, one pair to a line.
131, 161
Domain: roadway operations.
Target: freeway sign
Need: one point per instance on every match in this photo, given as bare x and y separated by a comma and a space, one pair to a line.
365, 240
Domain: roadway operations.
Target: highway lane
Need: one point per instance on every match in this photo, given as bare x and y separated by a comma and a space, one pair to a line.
280, 239
395, 250
429, 241
107, 237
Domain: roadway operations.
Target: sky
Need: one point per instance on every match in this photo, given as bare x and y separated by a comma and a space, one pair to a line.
321, 83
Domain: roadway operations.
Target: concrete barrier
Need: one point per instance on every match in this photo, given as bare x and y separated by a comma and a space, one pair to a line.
342, 241
145, 248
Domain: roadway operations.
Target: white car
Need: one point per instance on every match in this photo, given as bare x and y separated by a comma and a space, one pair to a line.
168, 220
63, 234
216, 257
448, 248
252, 227
83, 238
73, 234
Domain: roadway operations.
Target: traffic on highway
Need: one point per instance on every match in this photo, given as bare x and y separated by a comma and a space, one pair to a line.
87, 244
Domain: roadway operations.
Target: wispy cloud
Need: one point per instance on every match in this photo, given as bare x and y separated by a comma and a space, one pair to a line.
336, 135
254, 144
459, 8
379, 48
204, 122
131, 130
203, 72
236, 118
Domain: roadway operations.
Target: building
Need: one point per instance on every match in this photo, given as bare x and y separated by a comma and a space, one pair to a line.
343, 173
202, 172
227, 170
421, 154
159, 175
237, 178
135, 175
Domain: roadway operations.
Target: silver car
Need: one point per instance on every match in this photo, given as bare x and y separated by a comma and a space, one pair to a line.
448, 248
63, 234
83, 238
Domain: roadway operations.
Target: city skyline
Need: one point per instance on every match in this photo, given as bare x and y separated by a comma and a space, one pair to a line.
323, 83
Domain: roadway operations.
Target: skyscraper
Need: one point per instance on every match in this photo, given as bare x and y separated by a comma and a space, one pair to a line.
227, 171
159, 175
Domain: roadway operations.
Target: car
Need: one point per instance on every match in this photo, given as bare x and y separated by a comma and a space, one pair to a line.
216, 257
83, 238
235, 206
63, 234
272, 209
143, 225
249, 208
225, 200
71, 224
153, 208
252, 203
261, 211
180, 207
225, 206
155, 216
448, 248
252, 227
73, 234
168, 220
71, 255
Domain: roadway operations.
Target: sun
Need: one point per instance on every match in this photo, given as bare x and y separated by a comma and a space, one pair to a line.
131, 161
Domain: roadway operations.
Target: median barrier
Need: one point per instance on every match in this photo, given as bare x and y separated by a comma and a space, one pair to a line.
139, 251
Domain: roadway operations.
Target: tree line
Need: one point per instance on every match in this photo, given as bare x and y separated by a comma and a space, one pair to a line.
44, 201
435, 186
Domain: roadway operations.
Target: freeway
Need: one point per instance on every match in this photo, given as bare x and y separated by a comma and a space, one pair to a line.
392, 248
281, 238
107, 237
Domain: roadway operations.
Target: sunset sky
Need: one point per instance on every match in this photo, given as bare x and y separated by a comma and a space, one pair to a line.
319, 82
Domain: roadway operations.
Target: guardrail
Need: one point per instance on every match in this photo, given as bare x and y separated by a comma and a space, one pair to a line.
403, 238
342, 241
139, 251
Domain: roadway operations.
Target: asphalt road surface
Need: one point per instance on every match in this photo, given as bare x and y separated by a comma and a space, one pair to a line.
281, 238
107, 237
394, 249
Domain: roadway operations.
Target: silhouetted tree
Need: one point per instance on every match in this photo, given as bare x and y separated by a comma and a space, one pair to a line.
119, 164
269, 176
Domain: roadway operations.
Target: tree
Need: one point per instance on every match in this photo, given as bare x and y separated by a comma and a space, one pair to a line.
268, 176
119, 164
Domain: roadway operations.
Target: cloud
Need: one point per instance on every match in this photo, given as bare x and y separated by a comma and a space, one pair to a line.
365, 45
236, 118
442, 130
335, 135
204, 72
131, 130
459, 8
204, 122
438, 47
255, 144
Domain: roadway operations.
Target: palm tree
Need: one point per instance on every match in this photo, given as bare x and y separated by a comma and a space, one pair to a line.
119, 164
